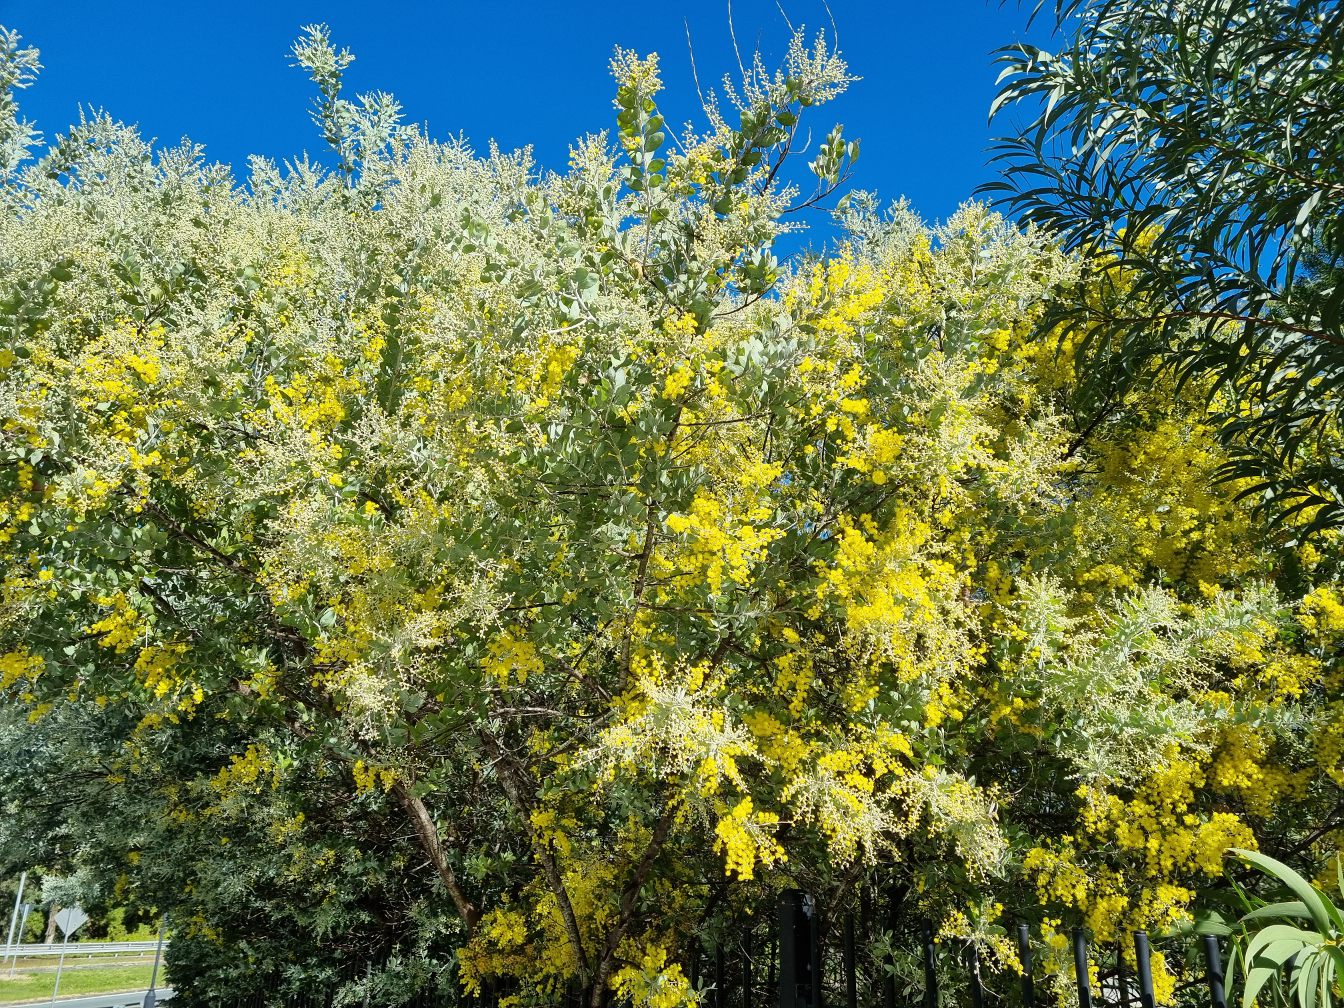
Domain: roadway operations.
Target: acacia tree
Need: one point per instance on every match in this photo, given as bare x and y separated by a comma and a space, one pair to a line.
1195, 150
530, 568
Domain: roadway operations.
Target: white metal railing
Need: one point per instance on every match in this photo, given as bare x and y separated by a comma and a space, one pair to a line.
78, 949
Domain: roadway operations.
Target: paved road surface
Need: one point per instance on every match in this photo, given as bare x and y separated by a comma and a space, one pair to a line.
131, 999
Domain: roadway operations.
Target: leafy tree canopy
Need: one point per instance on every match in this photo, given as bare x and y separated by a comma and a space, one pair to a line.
527, 573
1194, 150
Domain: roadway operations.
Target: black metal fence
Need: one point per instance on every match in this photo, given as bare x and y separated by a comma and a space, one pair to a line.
801, 957
807, 961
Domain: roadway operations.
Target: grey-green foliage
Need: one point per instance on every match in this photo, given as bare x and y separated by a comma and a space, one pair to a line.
102, 219
1136, 683
1201, 144
79, 888
354, 130
18, 68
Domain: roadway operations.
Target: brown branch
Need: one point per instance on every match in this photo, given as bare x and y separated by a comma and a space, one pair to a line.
428, 835
727, 421
182, 532
1087, 431
418, 813
165, 608
641, 581
646, 552
628, 896
508, 777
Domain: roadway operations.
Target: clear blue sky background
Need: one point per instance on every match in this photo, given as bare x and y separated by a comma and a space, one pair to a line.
521, 72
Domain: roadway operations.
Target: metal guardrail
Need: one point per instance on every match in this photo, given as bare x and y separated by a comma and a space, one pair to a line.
78, 949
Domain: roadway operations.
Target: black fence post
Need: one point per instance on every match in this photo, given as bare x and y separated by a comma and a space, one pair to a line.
1143, 966
796, 945
818, 977
851, 974
973, 969
1213, 965
1024, 955
930, 966
772, 961
1080, 968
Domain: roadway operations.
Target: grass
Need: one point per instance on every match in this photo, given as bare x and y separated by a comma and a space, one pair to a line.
47, 964
75, 982
27, 964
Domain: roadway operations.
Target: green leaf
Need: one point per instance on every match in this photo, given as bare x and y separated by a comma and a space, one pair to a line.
1294, 909
1323, 914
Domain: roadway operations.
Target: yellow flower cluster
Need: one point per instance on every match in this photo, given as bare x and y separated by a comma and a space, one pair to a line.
550, 828
944, 704
746, 836
244, 773
650, 981
316, 406
979, 925
894, 592
1167, 845
1242, 765
1322, 612
726, 539
17, 509
16, 665
511, 656
120, 628
156, 668
845, 293
369, 778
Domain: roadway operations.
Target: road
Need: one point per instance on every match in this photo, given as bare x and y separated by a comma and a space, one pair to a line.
130, 999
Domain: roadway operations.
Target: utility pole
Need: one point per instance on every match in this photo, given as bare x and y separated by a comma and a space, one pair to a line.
23, 923
60, 964
69, 920
151, 995
14, 916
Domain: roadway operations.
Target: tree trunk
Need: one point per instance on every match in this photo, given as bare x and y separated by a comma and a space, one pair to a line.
50, 939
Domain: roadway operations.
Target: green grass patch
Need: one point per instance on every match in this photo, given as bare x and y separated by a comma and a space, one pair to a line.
75, 982
48, 963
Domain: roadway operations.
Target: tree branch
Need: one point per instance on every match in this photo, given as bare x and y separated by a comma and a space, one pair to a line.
428, 834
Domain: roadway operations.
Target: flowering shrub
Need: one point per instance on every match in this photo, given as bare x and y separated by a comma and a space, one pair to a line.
530, 568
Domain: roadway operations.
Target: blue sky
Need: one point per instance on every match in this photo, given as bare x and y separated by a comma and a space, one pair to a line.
521, 73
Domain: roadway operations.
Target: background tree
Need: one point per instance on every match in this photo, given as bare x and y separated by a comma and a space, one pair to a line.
1194, 149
